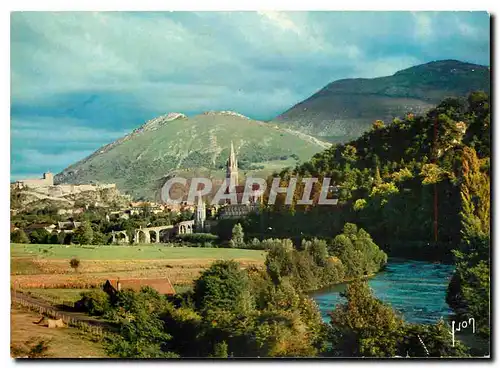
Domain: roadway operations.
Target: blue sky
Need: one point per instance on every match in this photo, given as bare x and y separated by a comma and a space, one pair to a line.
82, 80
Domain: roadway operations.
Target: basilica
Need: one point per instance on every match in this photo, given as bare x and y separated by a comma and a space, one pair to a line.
230, 210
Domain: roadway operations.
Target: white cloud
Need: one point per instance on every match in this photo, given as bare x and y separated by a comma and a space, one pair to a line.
281, 20
423, 25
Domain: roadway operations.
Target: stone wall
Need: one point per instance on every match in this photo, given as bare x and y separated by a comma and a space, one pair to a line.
45, 181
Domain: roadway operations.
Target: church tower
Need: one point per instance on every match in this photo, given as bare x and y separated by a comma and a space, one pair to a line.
201, 214
232, 168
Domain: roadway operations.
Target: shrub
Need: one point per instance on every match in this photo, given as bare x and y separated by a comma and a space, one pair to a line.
255, 244
95, 302
200, 238
237, 239
32, 348
74, 263
19, 236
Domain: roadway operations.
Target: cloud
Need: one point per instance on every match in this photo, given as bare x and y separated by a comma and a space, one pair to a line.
424, 28
27, 160
43, 143
112, 71
60, 130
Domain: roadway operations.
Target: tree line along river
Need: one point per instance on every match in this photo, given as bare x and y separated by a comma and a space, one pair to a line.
416, 289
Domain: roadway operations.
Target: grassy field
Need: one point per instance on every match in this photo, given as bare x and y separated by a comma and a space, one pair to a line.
139, 252
46, 266
63, 342
56, 296
43, 271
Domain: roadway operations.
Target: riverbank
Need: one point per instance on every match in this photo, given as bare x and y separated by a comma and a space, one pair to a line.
420, 251
416, 289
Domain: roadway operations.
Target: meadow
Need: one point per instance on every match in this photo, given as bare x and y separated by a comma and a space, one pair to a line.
126, 252
44, 270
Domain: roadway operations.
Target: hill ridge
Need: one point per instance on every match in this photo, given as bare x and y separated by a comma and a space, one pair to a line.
140, 161
345, 108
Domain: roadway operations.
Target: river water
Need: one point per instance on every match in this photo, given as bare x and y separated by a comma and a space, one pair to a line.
414, 288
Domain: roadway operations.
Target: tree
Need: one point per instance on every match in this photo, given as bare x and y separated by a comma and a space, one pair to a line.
39, 236
95, 302
364, 326
378, 124
350, 153
357, 251
19, 236
359, 204
475, 193
142, 332
279, 261
220, 350
223, 286
100, 238
74, 263
317, 249
84, 233
237, 240
469, 289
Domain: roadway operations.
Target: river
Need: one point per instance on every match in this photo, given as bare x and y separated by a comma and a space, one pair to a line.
414, 288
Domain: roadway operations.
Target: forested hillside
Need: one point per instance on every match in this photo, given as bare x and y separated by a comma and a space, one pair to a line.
396, 179
387, 178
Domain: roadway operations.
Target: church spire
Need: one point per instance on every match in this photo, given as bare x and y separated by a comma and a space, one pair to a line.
232, 157
201, 214
232, 168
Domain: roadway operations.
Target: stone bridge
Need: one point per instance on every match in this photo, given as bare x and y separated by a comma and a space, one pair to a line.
120, 237
184, 227
143, 235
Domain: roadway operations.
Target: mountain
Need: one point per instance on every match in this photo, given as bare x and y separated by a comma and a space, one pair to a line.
346, 108
174, 144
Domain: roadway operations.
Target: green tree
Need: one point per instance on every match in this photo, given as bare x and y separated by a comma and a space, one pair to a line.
39, 236
378, 124
469, 289
317, 248
95, 302
222, 286
220, 350
238, 237
350, 153
84, 233
364, 326
19, 236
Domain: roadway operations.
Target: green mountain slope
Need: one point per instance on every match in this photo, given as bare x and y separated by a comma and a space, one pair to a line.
344, 109
140, 162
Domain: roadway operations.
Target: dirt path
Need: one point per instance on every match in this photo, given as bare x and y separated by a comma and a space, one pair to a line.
61, 342
17, 297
